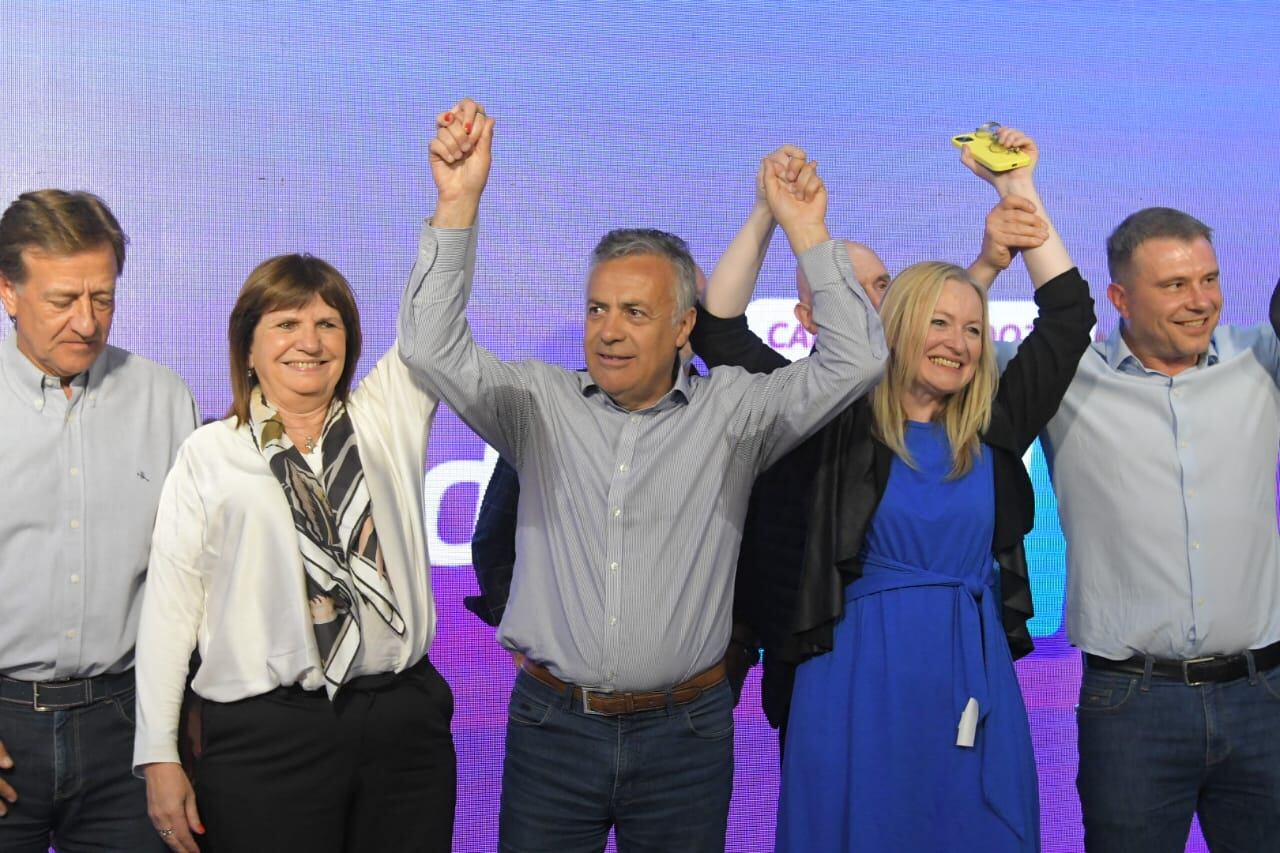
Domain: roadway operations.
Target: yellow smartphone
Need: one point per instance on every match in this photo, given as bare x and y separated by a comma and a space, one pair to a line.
982, 144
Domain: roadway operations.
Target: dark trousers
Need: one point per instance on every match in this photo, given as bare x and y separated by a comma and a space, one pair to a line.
73, 774
1153, 752
372, 772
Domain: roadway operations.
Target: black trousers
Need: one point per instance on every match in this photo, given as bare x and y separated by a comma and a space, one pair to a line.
374, 770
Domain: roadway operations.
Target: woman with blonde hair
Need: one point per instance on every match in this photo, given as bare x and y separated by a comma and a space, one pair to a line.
907, 729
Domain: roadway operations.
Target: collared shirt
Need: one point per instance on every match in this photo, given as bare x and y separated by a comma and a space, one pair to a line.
82, 479
630, 521
227, 575
1167, 495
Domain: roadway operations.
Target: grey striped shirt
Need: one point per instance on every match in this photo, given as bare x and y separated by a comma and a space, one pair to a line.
630, 522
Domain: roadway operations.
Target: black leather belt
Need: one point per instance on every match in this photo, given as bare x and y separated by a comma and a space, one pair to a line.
65, 694
1207, 670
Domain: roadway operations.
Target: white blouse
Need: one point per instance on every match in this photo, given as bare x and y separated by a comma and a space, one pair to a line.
226, 574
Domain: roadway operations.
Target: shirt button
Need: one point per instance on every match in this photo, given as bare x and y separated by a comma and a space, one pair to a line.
617, 511
1177, 392
613, 567
612, 676
75, 472
1191, 493
635, 419
1184, 443
623, 467
613, 620
39, 404
71, 634
75, 579
75, 524
1195, 546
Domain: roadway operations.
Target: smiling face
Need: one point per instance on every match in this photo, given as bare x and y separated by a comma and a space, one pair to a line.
299, 354
952, 345
629, 338
63, 308
1170, 302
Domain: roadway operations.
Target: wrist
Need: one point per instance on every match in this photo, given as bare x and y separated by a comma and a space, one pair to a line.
804, 236
456, 212
984, 272
1024, 187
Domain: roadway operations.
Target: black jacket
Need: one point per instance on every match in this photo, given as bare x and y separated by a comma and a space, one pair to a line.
796, 594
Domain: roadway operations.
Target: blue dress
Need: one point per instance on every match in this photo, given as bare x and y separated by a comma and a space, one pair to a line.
877, 757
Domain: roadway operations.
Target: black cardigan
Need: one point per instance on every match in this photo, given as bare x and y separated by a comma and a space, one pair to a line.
798, 600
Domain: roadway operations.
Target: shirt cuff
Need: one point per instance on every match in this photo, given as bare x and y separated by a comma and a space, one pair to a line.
444, 248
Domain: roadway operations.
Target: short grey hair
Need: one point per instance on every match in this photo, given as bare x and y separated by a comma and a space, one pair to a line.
1150, 223
626, 242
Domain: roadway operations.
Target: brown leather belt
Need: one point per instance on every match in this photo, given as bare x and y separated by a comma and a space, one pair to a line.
612, 704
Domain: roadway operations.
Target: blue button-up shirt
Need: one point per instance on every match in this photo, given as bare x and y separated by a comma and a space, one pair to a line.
1167, 494
80, 480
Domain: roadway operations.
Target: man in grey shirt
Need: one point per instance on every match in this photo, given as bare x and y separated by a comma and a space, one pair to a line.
89, 432
635, 479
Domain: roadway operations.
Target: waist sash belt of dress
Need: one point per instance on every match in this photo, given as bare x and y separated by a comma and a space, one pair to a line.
978, 639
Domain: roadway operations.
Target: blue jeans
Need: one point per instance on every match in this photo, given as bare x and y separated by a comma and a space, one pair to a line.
661, 778
1154, 751
73, 774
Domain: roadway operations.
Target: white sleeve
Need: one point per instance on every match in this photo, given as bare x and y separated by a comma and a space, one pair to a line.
172, 609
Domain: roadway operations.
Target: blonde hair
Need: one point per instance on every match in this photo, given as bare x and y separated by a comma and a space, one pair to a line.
907, 310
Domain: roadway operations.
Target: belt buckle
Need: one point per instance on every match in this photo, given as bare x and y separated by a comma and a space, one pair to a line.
586, 701
37, 705
1186, 676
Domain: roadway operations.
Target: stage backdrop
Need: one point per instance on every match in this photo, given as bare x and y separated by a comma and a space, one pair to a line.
224, 133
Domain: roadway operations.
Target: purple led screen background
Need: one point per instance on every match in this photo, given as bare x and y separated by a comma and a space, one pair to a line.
224, 133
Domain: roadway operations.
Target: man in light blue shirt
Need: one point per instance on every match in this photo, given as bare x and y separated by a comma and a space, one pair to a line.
1163, 456
89, 432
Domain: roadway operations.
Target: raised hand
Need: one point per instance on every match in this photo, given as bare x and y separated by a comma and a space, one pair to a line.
171, 805
790, 157
1011, 226
799, 205
460, 156
1014, 179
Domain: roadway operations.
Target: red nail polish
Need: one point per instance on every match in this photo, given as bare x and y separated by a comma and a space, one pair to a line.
448, 117
467, 127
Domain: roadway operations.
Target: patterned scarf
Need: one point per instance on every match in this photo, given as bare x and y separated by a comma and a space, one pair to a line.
334, 520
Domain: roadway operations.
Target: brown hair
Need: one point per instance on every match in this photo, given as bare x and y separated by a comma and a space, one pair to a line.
1150, 223
283, 282
58, 222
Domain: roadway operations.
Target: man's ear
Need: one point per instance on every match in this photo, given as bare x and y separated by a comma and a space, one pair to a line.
685, 327
9, 295
1119, 298
804, 316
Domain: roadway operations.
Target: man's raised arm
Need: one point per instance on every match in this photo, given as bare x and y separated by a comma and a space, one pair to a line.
793, 402
434, 336
734, 278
